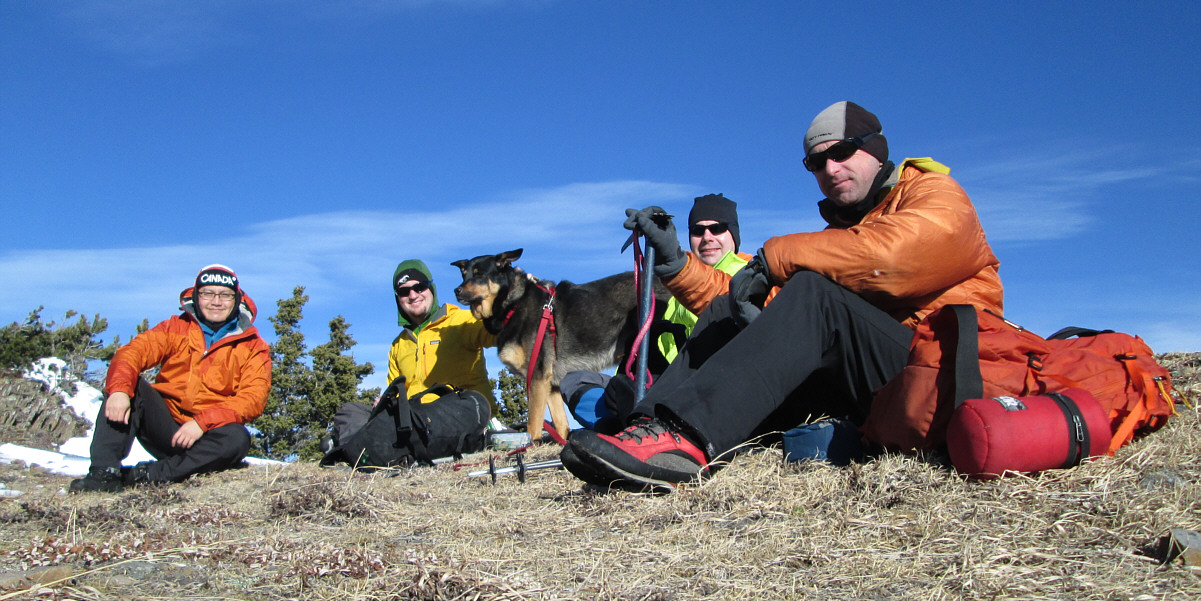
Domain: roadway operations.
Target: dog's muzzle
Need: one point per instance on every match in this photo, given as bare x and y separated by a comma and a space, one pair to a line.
465, 298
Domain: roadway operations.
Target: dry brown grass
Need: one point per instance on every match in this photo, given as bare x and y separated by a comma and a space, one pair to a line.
893, 528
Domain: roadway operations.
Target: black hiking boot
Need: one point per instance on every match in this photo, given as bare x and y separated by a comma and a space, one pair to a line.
99, 479
136, 475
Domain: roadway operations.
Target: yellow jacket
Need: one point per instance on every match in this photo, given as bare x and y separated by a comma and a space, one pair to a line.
448, 350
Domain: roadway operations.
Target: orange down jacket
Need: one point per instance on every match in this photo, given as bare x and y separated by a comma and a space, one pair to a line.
920, 248
697, 284
224, 384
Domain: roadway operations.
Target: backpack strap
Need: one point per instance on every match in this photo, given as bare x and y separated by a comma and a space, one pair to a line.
1078, 440
401, 415
436, 389
1071, 331
968, 382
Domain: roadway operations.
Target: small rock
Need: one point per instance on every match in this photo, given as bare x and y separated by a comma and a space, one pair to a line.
1183, 545
1164, 479
35, 576
138, 569
1189, 544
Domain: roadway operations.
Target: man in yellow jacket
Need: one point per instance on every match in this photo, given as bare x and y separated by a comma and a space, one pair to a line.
816, 321
214, 376
439, 343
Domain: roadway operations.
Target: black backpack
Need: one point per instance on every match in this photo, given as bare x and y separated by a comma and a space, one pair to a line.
400, 432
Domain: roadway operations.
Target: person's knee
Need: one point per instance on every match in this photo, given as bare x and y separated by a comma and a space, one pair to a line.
234, 441
809, 290
810, 282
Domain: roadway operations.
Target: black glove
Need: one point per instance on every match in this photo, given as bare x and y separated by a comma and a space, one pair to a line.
660, 232
748, 290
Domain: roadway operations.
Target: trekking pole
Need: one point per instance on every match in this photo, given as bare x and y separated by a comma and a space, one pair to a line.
644, 309
520, 469
646, 298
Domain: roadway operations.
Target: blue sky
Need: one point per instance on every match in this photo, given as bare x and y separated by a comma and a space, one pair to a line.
320, 143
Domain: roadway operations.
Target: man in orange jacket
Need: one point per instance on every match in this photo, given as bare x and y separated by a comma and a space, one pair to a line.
214, 377
816, 321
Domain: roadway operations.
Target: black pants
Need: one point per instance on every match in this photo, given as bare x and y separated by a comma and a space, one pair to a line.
817, 349
151, 423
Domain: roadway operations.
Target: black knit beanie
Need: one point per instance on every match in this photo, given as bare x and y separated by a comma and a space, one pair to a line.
715, 207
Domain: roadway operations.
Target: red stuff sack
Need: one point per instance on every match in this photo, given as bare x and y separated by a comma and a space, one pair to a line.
990, 436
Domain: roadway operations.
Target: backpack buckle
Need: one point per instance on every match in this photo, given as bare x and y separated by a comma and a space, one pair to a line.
1034, 361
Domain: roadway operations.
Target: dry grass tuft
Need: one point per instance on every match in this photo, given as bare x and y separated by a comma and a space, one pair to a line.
895, 527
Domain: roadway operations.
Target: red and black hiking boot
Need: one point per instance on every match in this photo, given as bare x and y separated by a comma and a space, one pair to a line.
647, 454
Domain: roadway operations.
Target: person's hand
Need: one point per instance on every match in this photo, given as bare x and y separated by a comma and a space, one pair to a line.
187, 435
748, 290
116, 408
660, 232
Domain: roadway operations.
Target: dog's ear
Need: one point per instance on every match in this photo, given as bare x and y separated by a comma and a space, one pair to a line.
506, 258
462, 265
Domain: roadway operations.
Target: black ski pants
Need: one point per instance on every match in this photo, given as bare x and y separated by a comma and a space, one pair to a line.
816, 349
151, 423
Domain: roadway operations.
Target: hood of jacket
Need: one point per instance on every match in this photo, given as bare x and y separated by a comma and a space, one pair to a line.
438, 310
247, 310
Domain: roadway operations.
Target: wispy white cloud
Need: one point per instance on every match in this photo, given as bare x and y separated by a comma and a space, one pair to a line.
1053, 196
571, 232
153, 32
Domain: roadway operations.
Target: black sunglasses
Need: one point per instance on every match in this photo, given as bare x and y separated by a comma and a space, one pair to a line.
419, 287
838, 152
716, 229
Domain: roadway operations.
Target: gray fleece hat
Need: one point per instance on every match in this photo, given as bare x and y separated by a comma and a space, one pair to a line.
845, 120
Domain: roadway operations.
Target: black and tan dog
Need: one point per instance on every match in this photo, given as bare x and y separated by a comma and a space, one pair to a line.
594, 325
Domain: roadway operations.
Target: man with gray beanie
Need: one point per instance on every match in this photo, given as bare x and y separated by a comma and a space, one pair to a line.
438, 343
816, 321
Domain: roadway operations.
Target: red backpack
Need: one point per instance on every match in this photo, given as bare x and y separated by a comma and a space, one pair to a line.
960, 353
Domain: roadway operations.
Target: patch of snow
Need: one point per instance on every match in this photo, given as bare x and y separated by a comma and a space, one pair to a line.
59, 463
86, 403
